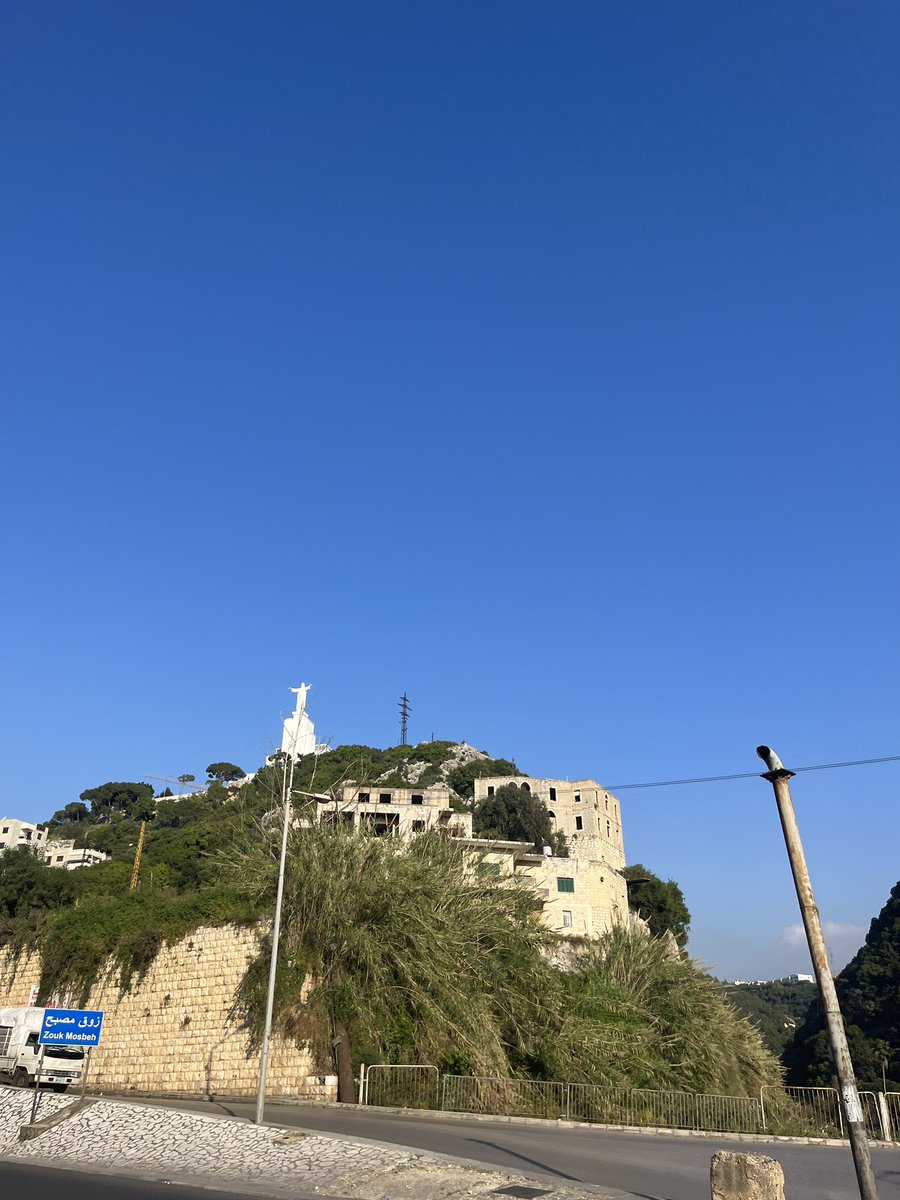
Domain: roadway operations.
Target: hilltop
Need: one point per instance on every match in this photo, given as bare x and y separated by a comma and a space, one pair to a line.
428, 764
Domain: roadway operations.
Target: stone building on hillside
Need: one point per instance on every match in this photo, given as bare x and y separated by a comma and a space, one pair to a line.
584, 811
583, 895
399, 812
581, 898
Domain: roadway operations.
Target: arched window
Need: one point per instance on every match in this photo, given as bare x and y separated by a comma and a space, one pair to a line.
526, 787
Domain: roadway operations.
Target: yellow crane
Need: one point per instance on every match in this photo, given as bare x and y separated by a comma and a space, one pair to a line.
137, 858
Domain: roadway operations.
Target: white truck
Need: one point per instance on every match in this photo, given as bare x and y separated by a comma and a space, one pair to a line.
21, 1056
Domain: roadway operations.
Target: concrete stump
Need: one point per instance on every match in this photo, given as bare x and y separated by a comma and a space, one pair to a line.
745, 1177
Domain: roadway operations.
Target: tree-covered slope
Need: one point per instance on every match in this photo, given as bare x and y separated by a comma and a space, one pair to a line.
776, 1009
869, 993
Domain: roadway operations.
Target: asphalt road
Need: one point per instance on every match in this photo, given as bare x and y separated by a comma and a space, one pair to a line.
48, 1183
650, 1166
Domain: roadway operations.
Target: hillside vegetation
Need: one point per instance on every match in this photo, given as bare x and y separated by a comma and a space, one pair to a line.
776, 1008
416, 952
868, 989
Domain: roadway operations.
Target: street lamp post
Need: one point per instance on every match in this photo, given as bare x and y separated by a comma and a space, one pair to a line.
287, 792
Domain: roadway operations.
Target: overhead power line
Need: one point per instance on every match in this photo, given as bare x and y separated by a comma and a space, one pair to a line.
854, 762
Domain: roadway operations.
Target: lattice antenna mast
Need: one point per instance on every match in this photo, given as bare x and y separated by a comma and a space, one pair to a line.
404, 719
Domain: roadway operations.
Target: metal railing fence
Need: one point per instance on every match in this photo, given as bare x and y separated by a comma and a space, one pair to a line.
872, 1116
601, 1105
797, 1111
402, 1085
803, 1111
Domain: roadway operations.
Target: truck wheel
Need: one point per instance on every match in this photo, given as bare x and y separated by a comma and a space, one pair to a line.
60, 1087
20, 1078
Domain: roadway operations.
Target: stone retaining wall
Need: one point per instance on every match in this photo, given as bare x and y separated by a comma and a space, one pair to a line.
173, 1033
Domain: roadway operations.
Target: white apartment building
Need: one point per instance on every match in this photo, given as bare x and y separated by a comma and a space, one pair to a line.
63, 854
15, 833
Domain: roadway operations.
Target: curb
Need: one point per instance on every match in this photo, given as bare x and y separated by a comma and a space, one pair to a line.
27, 1132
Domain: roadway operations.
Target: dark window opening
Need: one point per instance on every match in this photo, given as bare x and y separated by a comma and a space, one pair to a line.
579, 823
330, 819
553, 795
490, 791
608, 829
417, 800
526, 787
363, 797
418, 826
382, 824
578, 797
385, 797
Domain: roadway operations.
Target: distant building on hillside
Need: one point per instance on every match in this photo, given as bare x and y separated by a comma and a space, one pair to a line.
63, 854
15, 833
797, 979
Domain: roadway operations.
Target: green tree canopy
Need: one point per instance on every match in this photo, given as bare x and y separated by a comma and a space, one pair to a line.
224, 772
516, 814
28, 887
116, 797
660, 903
776, 1008
74, 812
462, 779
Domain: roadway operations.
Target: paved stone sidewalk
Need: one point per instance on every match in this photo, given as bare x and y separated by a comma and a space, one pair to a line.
218, 1151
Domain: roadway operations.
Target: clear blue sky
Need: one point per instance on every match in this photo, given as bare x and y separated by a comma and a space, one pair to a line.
540, 360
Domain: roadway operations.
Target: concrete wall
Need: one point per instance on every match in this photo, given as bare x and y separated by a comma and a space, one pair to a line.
173, 1033
598, 899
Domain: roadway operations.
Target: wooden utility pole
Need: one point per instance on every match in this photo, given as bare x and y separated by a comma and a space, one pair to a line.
778, 776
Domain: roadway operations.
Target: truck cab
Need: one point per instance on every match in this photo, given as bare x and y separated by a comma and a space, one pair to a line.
21, 1057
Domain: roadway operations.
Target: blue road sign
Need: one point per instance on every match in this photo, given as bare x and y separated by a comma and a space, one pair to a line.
70, 1027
